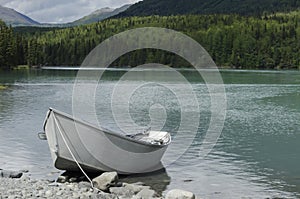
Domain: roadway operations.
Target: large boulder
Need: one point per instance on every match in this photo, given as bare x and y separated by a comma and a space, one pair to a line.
179, 194
106, 180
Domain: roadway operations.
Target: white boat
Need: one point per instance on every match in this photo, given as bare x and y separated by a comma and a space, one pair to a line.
74, 142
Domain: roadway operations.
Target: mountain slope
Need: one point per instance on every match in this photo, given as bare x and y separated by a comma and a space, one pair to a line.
100, 15
175, 7
14, 18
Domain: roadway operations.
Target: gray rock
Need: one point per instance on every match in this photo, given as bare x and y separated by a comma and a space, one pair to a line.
135, 188
10, 174
23, 192
104, 196
54, 184
39, 188
25, 178
105, 180
179, 194
48, 193
40, 194
84, 185
62, 179
84, 189
145, 194
59, 193
121, 191
87, 195
73, 179
75, 195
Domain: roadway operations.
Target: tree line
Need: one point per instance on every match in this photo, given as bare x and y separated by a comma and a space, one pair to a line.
8, 47
180, 7
235, 41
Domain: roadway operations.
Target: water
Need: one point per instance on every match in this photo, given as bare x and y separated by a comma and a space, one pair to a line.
257, 154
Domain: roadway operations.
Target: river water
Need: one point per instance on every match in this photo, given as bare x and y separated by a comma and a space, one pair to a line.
257, 155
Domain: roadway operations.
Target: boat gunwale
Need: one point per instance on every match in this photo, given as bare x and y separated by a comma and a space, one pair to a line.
104, 130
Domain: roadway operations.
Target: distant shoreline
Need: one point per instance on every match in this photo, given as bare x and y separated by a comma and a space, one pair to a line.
125, 68
158, 69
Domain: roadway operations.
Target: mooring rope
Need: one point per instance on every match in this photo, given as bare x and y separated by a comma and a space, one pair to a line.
73, 156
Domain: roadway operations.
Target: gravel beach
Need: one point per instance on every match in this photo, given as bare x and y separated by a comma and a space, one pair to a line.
15, 185
27, 188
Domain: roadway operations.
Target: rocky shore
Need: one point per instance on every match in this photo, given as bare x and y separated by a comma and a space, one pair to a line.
14, 184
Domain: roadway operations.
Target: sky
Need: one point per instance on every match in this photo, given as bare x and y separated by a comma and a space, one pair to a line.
60, 11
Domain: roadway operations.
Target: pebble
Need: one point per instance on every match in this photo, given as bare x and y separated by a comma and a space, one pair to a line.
84, 185
73, 179
121, 191
62, 179
48, 193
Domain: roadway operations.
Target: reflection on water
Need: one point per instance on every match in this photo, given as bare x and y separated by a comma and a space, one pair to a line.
257, 154
158, 180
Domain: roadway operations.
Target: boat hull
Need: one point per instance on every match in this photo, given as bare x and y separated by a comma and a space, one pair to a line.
97, 149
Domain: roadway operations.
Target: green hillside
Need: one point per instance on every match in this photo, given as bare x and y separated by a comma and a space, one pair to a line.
175, 7
234, 41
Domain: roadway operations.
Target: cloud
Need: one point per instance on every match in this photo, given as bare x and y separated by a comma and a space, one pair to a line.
58, 11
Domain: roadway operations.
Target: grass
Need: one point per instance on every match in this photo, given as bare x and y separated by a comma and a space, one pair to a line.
2, 87
22, 67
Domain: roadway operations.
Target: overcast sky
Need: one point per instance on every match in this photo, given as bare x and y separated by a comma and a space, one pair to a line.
58, 11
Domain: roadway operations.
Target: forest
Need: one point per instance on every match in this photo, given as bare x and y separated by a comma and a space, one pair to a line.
271, 41
181, 7
8, 47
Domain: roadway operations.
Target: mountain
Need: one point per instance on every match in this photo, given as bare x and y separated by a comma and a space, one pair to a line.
175, 7
100, 15
14, 18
